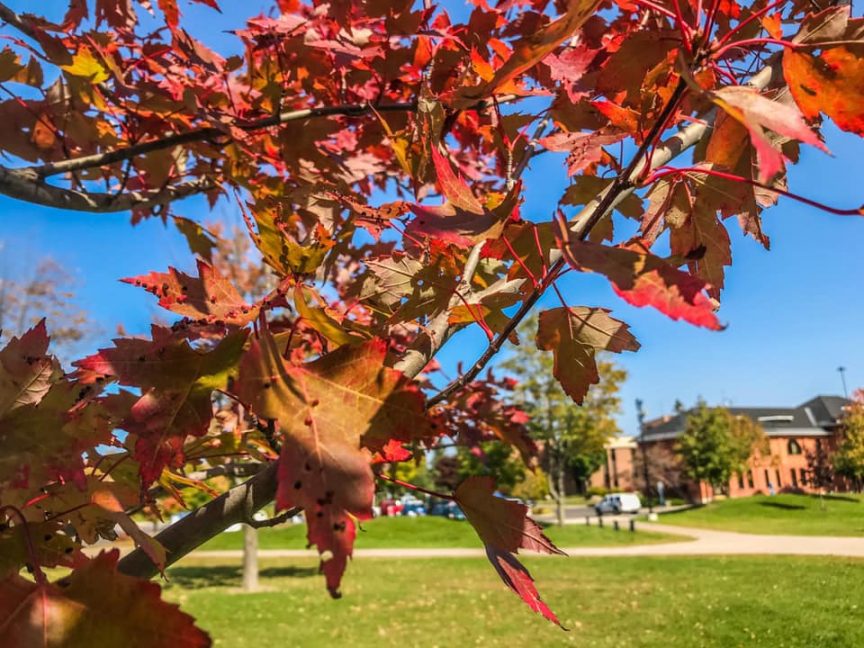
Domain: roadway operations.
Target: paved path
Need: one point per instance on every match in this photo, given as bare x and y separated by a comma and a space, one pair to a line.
704, 542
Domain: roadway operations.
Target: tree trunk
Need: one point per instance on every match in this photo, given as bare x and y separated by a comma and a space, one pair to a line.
559, 488
250, 558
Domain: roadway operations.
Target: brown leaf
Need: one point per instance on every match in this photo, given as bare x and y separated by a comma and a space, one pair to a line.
331, 413
208, 298
574, 335
94, 606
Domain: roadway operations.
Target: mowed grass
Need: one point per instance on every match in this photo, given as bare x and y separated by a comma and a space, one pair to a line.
406, 532
783, 514
617, 602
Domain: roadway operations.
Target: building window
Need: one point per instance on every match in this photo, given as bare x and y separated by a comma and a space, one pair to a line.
793, 448
794, 477
741, 480
750, 483
767, 479
614, 469
803, 474
779, 481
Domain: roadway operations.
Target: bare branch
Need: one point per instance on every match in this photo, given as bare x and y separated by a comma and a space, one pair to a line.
275, 520
213, 133
24, 184
206, 522
17, 21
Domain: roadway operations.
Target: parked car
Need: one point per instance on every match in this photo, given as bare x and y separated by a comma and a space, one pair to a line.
445, 508
390, 507
412, 507
619, 503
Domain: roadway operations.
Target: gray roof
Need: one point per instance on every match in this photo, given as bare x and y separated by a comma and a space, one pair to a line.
817, 417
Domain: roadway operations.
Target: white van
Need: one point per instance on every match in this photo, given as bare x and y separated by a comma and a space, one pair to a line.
619, 503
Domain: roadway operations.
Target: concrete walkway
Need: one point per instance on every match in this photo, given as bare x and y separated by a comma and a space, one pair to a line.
704, 542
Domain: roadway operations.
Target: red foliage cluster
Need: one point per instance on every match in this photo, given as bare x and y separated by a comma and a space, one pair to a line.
376, 151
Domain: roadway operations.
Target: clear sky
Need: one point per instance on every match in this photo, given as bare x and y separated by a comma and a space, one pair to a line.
794, 314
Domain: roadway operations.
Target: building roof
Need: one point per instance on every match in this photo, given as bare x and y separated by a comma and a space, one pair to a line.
621, 442
817, 417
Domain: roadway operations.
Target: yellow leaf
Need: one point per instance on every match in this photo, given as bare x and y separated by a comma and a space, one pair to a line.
320, 320
86, 65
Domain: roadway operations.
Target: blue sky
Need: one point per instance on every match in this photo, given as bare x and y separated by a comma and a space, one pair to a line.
794, 314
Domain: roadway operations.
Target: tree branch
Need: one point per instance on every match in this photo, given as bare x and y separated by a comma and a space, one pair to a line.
275, 520
232, 507
208, 133
206, 522
601, 207
212, 132
17, 21
23, 184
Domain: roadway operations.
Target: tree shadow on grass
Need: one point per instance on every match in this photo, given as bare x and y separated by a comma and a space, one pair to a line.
838, 498
229, 575
784, 506
683, 509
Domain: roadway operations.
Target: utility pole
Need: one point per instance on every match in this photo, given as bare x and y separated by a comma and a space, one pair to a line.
640, 415
842, 372
250, 537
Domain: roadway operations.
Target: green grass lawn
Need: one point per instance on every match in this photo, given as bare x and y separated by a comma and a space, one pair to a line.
611, 602
406, 532
781, 514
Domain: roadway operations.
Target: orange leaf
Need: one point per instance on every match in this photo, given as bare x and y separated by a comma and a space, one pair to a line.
574, 335
331, 412
642, 279
209, 297
504, 527
531, 50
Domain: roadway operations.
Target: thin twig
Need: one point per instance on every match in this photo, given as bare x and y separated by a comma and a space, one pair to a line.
622, 182
211, 132
275, 520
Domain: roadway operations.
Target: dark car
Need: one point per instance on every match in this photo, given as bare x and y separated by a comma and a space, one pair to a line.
413, 508
446, 508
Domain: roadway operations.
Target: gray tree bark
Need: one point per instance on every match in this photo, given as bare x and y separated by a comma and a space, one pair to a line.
250, 558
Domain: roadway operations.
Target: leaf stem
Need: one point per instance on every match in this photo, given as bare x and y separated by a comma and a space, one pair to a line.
664, 172
413, 487
756, 16
38, 574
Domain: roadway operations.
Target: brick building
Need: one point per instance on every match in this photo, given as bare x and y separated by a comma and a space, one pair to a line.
617, 474
793, 433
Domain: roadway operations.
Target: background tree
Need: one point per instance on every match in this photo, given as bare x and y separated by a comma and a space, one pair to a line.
48, 292
492, 459
716, 444
446, 472
663, 466
376, 151
820, 470
849, 456
573, 436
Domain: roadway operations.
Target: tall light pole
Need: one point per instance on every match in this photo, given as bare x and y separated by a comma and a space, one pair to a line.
842, 372
640, 415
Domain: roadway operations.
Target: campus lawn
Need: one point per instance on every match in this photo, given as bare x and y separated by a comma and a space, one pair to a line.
783, 514
610, 602
406, 532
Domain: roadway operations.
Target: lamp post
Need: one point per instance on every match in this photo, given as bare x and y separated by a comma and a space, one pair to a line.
640, 415
842, 372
